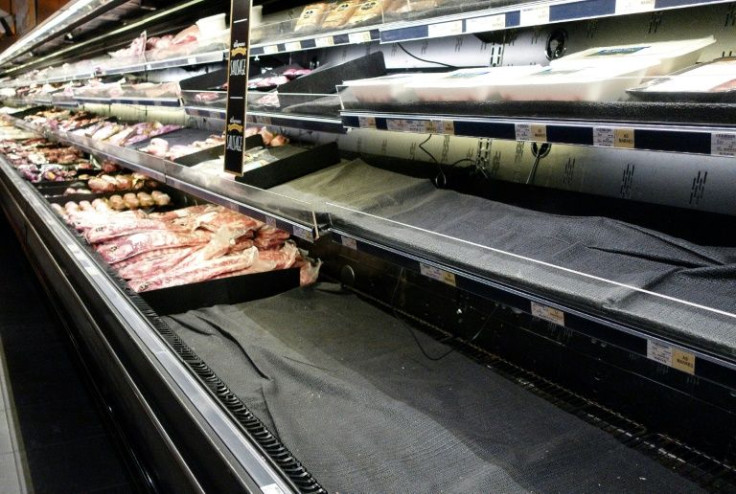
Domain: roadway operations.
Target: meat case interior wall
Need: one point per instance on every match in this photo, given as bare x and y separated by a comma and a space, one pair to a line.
419, 313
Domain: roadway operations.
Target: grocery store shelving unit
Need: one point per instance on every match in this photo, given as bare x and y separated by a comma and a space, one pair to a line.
715, 375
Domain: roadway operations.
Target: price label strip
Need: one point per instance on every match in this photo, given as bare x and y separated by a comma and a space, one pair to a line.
237, 88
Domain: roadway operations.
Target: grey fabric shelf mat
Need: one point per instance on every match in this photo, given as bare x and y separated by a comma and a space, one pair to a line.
601, 247
345, 387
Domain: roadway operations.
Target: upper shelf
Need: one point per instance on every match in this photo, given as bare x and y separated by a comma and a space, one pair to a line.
130, 66
453, 19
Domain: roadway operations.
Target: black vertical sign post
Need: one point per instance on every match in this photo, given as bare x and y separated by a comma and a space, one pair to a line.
237, 85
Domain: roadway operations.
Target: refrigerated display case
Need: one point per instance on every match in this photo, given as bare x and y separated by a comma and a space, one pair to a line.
523, 285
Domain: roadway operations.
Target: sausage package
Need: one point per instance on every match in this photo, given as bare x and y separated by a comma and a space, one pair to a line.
369, 10
339, 14
311, 17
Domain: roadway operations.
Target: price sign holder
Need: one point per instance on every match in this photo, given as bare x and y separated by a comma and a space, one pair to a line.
237, 86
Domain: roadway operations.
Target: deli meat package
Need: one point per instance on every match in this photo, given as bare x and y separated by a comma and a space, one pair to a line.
189, 245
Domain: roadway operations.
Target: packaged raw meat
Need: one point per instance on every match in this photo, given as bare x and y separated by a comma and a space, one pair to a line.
468, 84
709, 82
669, 55
311, 17
603, 83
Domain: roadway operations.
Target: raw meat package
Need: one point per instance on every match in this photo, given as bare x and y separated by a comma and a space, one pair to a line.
386, 89
469, 84
709, 82
325, 79
670, 55
311, 17
601, 83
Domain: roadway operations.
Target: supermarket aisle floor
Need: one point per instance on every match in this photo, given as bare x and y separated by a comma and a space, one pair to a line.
48, 421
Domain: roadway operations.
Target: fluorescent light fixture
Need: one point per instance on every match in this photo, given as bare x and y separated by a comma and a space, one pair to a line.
45, 28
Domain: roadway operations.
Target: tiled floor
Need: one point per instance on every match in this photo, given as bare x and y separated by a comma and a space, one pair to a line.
52, 439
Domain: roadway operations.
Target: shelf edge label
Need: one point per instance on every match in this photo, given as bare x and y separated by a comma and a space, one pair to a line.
624, 138
549, 314
723, 144
485, 24
438, 274
534, 16
452, 28
671, 357
634, 6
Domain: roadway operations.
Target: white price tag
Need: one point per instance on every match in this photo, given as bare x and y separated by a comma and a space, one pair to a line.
659, 352
523, 132
550, 314
452, 28
271, 49
350, 243
324, 42
367, 122
192, 60
361, 37
92, 271
485, 24
634, 6
438, 274
294, 46
271, 221
723, 144
603, 137
534, 16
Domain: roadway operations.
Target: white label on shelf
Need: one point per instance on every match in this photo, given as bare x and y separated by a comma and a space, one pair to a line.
232, 206
92, 271
303, 233
361, 37
671, 357
723, 144
271, 489
294, 46
438, 274
149, 66
350, 243
367, 122
523, 132
634, 6
271, 221
603, 137
271, 49
324, 42
452, 28
659, 352
485, 24
192, 60
534, 16
624, 138
550, 314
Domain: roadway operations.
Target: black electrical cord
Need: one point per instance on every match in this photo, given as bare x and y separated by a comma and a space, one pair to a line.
413, 333
424, 59
441, 179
